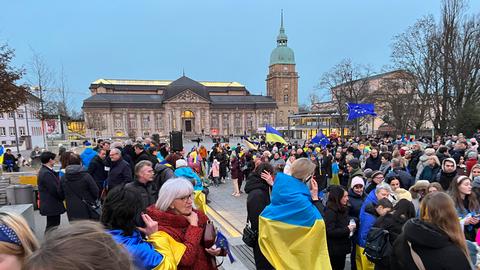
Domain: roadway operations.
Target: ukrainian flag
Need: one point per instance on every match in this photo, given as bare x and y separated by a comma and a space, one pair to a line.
291, 230
273, 135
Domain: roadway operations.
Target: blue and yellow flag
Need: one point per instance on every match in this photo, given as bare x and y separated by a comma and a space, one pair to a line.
273, 135
291, 230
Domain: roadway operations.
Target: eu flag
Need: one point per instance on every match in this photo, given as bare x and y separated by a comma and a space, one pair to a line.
356, 110
321, 139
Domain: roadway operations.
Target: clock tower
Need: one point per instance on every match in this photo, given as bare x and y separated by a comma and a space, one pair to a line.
282, 79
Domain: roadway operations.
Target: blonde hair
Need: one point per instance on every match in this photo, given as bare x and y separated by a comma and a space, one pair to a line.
302, 168
82, 245
24, 234
439, 209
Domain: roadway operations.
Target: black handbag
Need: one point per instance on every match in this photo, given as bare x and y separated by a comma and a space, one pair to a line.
250, 236
95, 208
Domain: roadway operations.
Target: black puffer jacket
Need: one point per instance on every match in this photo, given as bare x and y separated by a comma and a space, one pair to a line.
78, 185
431, 244
258, 198
336, 222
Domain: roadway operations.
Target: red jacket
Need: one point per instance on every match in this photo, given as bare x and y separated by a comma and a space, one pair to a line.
470, 163
178, 227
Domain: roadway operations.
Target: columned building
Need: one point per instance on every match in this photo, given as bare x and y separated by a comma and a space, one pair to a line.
282, 80
132, 108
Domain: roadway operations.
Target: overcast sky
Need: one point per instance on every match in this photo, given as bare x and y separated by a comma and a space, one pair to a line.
212, 40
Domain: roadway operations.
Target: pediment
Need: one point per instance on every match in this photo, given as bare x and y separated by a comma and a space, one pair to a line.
187, 96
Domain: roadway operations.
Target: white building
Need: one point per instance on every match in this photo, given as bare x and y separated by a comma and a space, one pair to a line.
28, 126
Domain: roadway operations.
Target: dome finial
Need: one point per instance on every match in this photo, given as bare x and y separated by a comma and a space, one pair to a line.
281, 21
282, 37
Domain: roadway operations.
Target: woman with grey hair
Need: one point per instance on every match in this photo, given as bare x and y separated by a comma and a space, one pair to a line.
176, 216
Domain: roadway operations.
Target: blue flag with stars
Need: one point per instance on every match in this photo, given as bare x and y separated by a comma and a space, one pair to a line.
321, 139
356, 110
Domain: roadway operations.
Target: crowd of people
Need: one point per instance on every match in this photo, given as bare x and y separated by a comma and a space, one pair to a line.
390, 203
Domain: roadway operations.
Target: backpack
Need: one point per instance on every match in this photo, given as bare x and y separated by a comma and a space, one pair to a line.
378, 245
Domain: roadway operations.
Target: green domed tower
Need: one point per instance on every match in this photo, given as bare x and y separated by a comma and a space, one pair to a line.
282, 79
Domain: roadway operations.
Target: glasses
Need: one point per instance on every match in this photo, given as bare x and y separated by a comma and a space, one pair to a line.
185, 198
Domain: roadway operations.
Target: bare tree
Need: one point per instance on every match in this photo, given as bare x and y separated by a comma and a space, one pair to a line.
444, 58
41, 78
347, 83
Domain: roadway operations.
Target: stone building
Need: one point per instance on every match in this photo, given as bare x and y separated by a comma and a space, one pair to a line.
131, 108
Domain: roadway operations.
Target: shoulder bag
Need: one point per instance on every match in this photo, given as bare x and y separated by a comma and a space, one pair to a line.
95, 208
250, 236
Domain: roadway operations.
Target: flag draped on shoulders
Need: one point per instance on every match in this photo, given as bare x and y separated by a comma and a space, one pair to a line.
171, 250
272, 135
291, 230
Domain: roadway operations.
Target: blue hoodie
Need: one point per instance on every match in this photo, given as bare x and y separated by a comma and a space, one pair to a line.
188, 173
144, 256
87, 155
366, 220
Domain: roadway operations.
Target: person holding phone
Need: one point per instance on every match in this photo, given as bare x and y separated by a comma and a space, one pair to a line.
122, 212
176, 216
466, 204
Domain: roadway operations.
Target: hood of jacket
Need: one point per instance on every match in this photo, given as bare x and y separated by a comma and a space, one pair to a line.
73, 171
254, 181
425, 234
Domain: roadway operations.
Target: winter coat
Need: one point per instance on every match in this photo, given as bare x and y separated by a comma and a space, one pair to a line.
445, 178
470, 162
189, 174
373, 163
385, 168
355, 203
142, 156
222, 159
51, 199
144, 255
87, 155
407, 179
414, 159
338, 234
148, 192
120, 173
276, 163
235, 169
422, 163
215, 169
258, 198
178, 227
431, 244
366, 219
78, 185
97, 170
162, 174
394, 228
456, 154
429, 173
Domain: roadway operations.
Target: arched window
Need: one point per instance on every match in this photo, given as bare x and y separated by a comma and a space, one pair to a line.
188, 114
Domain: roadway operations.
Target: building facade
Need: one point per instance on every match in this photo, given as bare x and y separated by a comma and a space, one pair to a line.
121, 108
26, 123
132, 108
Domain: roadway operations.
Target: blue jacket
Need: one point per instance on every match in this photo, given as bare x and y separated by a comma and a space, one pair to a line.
144, 256
87, 155
366, 220
188, 173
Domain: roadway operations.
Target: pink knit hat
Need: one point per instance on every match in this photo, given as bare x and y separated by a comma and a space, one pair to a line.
357, 180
